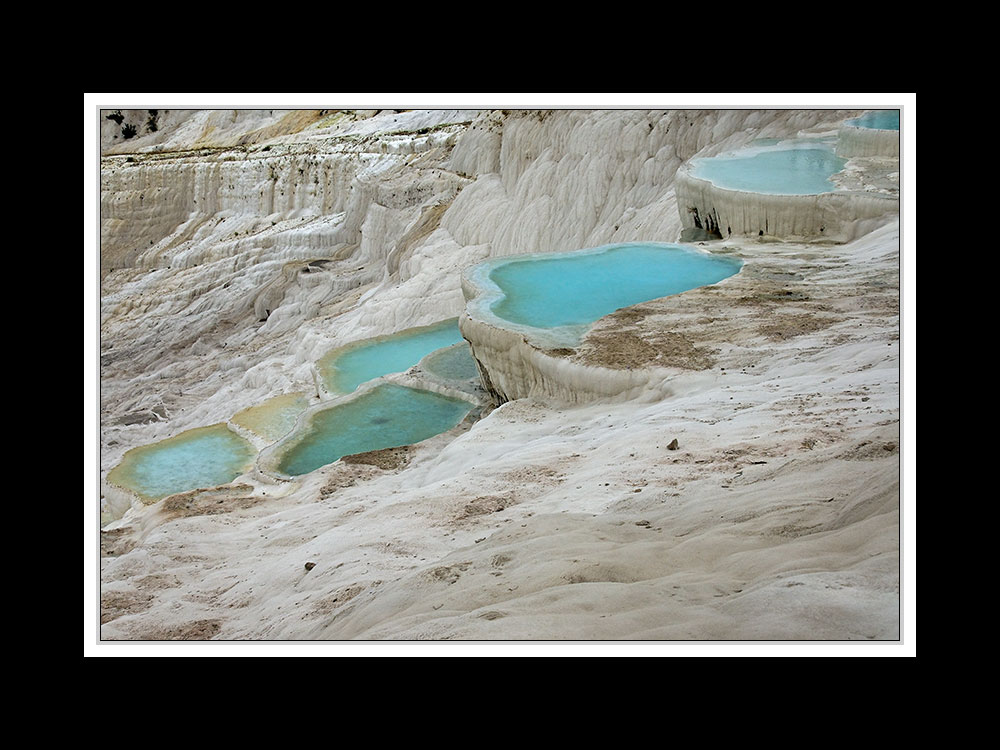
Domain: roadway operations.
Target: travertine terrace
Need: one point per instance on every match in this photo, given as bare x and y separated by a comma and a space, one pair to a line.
723, 465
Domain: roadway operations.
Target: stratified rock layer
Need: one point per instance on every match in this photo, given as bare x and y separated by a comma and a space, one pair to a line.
855, 141
833, 216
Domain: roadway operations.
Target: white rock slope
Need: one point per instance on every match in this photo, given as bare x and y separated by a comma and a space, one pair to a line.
238, 248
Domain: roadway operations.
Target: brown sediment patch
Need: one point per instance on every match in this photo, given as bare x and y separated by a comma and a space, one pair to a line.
788, 326
544, 475
196, 630
621, 350
386, 458
448, 573
158, 581
338, 599
602, 573
769, 295
677, 350
345, 474
792, 530
772, 274
486, 504
116, 542
632, 315
143, 416
210, 502
498, 561
394, 547
880, 301
115, 604
872, 450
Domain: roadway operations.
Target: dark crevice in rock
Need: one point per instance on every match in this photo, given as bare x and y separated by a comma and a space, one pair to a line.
497, 397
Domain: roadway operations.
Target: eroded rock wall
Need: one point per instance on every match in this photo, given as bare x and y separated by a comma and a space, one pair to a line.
570, 180
245, 246
565, 180
855, 141
837, 217
215, 259
512, 368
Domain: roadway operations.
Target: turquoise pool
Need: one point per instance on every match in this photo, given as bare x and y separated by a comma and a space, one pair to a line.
880, 119
577, 288
344, 369
203, 457
787, 168
386, 416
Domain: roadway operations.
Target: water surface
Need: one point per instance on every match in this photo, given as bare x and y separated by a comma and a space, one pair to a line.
275, 417
783, 169
387, 416
453, 363
344, 369
203, 457
882, 119
573, 289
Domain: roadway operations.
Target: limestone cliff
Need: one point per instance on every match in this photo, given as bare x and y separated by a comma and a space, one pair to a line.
235, 245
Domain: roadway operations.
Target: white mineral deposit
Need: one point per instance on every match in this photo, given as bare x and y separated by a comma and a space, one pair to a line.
717, 467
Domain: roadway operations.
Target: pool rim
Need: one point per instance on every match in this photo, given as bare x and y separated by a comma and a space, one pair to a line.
269, 457
427, 372
852, 121
247, 466
796, 143
371, 341
482, 292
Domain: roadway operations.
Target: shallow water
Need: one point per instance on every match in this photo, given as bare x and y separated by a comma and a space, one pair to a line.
572, 289
453, 363
203, 457
275, 417
386, 416
882, 119
784, 169
344, 369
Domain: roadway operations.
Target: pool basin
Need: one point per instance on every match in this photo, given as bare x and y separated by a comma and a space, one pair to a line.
274, 418
347, 367
879, 119
202, 457
554, 298
782, 168
454, 363
383, 415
